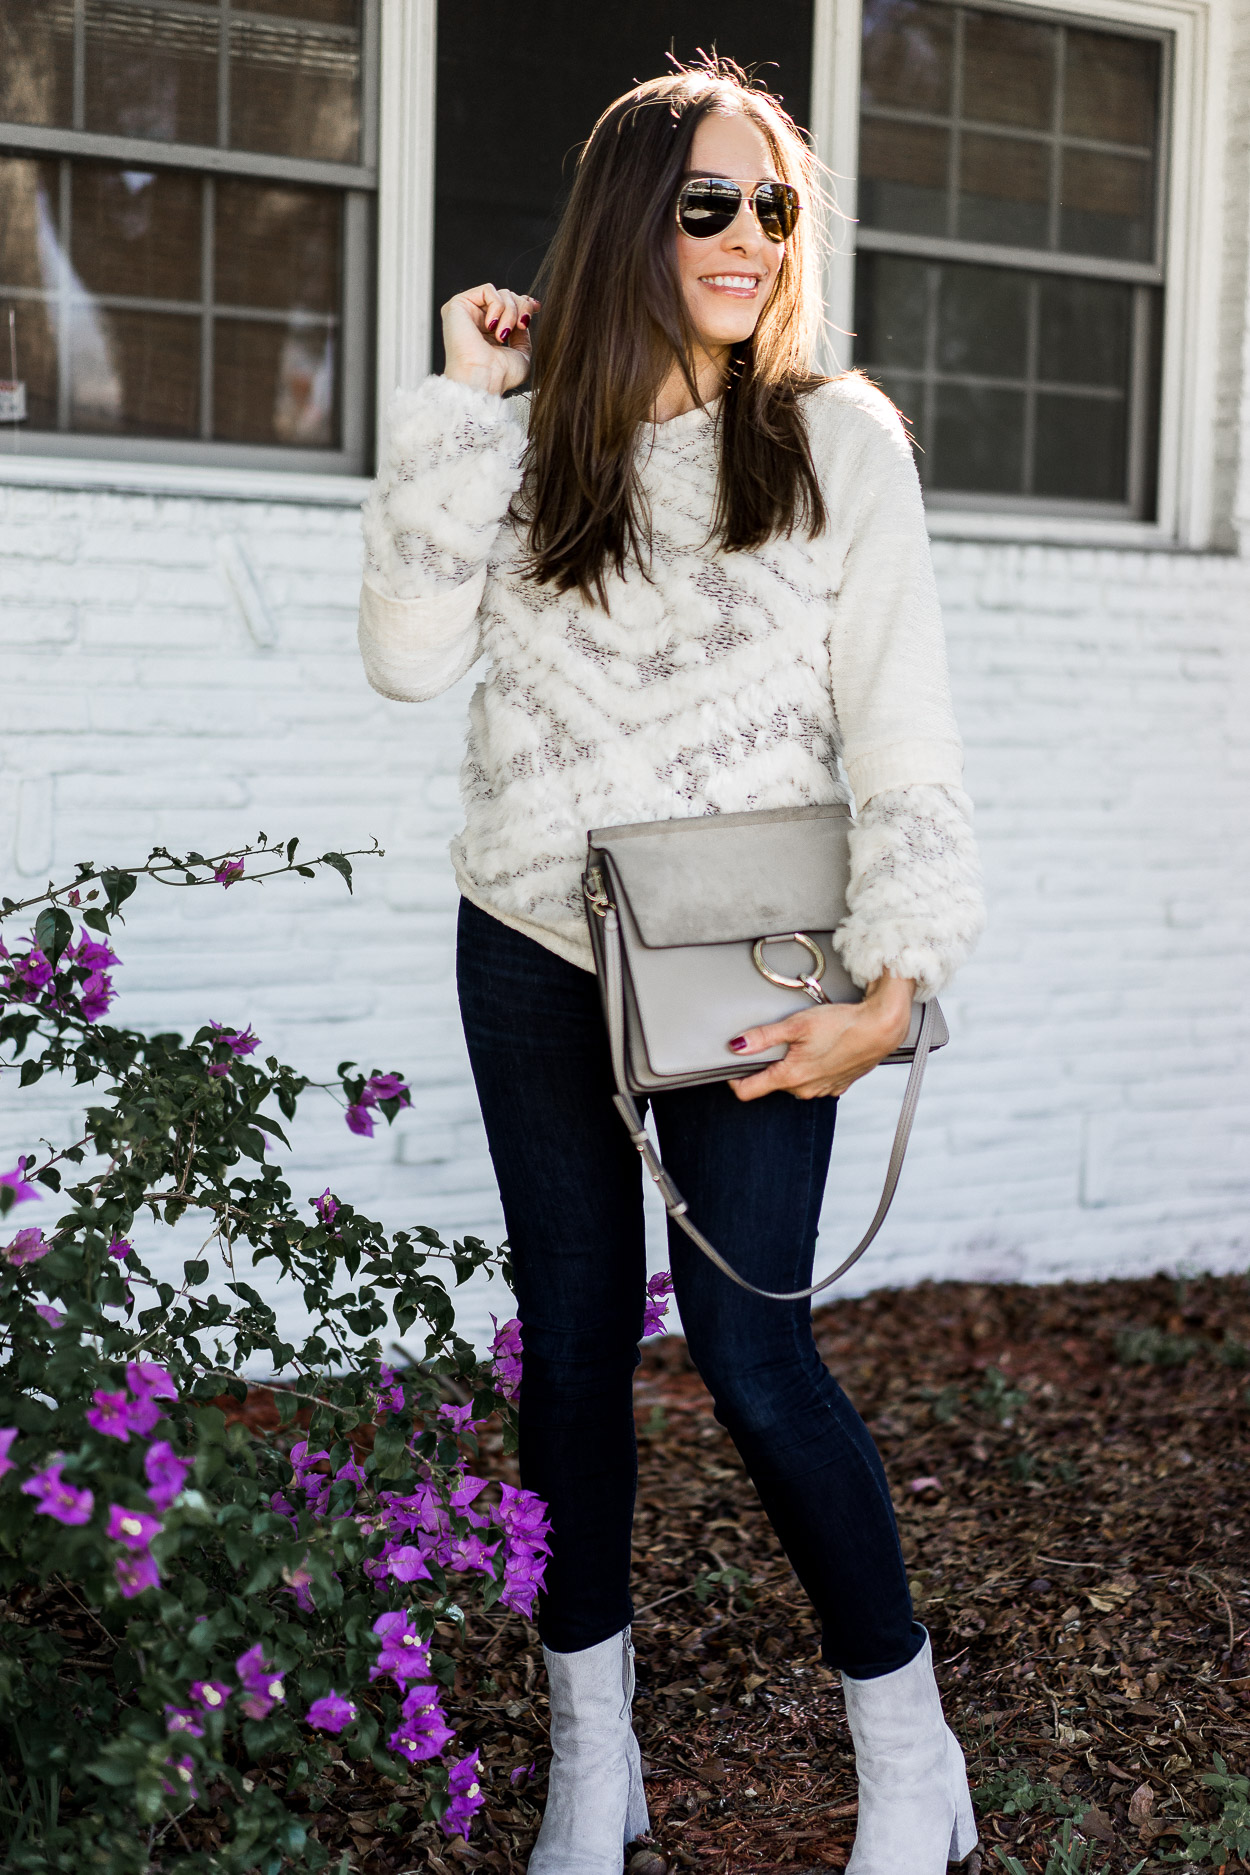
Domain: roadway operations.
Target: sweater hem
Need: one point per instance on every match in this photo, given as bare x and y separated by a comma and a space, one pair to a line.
551, 940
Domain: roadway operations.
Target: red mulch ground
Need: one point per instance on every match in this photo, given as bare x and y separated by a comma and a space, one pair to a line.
1069, 1466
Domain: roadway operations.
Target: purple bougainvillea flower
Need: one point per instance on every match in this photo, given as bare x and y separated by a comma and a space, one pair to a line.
148, 1381
523, 1516
523, 1772
6, 1440
35, 969
211, 1694
464, 1784
218, 1070
403, 1654
228, 872
260, 1682
91, 954
359, 1120
58, 1499
23, 1193
406, 1563
121, 1249
136, 1572
110, 1415
27, 1247
351, 1473
166, 1474
46, 1313
330, 1713
134, 1528
505, 1352
238, 1041
470, 1552
181, 1782
457, 1417
95, 996
183, 1719
327, 1207
659, 1289
423, 1729
385, 1087
389, 1397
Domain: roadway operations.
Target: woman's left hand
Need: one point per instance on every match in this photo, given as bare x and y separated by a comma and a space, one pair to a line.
830, 1045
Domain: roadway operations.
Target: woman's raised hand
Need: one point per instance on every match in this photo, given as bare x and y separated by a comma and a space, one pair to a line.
486, 338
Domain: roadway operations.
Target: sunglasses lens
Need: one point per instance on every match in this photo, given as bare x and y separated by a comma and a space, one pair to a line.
708, 207
777, 205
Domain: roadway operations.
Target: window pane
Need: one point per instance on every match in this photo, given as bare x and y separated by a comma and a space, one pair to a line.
277, 246
978, 441
1080, 448
891, 310
907, 55
36, 61
134, 373
1107, 204
1009, 71
28, 224
983, 322
34, 334
274, 383
1004, 190
136, 232
1084, 329
331, 12
152, 71
295, 91
902, 176
1111, 88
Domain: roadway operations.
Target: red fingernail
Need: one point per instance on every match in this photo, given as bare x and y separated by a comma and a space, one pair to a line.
738, 1043
502, 334
524, 320
492, 323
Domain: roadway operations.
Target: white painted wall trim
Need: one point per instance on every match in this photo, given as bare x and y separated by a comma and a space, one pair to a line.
166, 478
405, 195
1194, 242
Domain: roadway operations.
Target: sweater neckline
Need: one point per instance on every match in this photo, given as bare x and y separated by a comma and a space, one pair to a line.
679, 429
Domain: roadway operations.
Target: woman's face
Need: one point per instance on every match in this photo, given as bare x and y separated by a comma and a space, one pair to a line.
727, 278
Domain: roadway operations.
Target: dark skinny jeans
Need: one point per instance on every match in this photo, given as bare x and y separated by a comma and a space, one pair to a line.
571, 1185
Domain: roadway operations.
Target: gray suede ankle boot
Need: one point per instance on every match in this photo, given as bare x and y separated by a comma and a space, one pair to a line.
915, 1811
595, 1800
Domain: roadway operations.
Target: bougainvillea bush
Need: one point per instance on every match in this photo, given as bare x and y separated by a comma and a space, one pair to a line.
263, 1601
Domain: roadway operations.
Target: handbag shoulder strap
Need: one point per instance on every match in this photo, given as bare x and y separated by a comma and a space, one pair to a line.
675, 1204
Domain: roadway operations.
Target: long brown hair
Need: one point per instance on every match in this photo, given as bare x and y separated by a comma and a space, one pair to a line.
614, 320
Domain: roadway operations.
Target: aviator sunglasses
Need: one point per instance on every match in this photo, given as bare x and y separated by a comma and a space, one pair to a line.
707, 205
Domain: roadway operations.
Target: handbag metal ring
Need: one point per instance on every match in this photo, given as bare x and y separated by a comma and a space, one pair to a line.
811, 983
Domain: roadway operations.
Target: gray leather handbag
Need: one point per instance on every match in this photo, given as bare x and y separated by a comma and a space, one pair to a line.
705, 927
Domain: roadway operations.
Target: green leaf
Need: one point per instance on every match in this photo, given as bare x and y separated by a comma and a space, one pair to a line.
53, 930
196, 1271
118, 887
340, 865
98, 920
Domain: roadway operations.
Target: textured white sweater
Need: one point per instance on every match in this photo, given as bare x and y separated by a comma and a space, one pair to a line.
805, 671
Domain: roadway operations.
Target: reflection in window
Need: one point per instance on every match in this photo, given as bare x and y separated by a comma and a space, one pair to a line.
1008, 277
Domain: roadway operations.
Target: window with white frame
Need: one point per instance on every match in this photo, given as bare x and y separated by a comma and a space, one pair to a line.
187, 193
1009, 271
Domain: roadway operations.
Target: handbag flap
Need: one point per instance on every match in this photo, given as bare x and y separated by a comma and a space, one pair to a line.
726, 878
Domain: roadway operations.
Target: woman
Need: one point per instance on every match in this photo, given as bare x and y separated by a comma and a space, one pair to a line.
700, 578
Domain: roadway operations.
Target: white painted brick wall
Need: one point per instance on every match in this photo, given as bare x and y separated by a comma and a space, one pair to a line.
1092, 1116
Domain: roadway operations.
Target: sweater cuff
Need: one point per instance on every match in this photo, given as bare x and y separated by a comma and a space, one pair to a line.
904, 765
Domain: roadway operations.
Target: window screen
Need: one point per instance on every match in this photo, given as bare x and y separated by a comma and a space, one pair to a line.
1009, 275
186, 199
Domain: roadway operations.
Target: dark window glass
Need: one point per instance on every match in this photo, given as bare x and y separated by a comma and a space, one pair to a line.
1079, 452
277, 246
1008, 71
1084, 330
295, 90
982, 321
274, 383
1049, 190
136, 232
902, 176
978, 439
36, 61
152, 71
29, 218
907, 55
134, 373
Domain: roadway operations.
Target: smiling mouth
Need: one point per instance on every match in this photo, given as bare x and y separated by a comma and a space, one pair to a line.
743, 284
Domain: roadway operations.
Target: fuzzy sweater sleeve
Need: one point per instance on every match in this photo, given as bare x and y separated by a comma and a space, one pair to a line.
914, 901
449, 470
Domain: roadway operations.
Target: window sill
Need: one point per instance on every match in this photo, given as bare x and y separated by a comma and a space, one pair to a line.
205, 481
1049, 530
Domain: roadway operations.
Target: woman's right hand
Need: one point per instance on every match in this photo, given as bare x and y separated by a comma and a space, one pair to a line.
486, 339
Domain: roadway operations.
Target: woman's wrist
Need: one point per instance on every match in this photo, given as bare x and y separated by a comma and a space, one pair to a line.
888, 1000
477, 377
